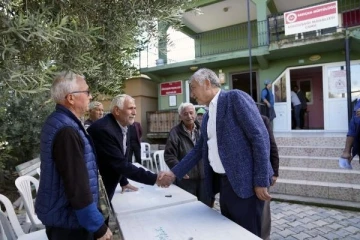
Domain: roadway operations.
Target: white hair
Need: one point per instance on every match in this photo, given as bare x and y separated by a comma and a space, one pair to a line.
204, 73
94, 104
119, 100
185, 105
63, 84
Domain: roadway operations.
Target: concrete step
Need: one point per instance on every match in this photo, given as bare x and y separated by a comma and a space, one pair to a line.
322, 202
320, 174
318, 189
310, 151
318, 141
315, 162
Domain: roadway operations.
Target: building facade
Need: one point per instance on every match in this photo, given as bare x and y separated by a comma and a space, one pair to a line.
215, 36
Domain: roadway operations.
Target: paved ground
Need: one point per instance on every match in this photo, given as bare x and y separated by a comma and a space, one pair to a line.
298, 222
294, 221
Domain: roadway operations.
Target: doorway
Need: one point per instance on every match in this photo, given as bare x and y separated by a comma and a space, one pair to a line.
310, 82
241, 81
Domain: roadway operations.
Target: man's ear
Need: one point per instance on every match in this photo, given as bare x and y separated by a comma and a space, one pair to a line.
207, 83
70, 98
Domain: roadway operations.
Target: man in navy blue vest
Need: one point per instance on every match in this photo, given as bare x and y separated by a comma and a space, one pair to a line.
235, 148
68, 192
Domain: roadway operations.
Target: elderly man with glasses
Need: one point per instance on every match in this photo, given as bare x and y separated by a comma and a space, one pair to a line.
68, 192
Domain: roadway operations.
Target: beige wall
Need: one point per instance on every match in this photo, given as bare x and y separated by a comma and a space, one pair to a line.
145, 93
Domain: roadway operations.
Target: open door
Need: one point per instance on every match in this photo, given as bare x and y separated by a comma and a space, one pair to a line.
282, 106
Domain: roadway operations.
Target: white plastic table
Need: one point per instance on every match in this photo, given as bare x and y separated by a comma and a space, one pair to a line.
188, 221
148, 197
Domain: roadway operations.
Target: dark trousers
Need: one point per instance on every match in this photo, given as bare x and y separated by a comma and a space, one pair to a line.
266, 221
56, 233
302, 117
136, 150
197, 188
244, 211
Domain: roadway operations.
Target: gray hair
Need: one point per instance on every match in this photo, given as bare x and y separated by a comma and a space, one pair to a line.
63, 84
185, 105
204, 73
94, 104
119, 100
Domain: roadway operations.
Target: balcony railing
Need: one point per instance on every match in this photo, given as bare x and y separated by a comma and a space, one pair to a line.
219, 41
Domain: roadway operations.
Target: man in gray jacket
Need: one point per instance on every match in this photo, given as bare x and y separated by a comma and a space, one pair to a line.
182, 139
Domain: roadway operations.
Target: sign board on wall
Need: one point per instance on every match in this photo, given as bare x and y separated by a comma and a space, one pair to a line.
170, 88
311, 18
337, 82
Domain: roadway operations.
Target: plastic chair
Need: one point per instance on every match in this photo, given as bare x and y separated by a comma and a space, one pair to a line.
23, 184
38, 170
11, 225
159, 155
146, 155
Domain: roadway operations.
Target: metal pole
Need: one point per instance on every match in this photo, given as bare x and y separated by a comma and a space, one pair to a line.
249, 46
348, 75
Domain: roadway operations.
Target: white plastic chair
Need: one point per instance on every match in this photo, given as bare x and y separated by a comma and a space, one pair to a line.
11, 225
159, 155
146, 155
23, 184
38, 170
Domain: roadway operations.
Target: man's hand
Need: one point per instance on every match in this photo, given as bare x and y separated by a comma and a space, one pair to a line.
186, 177
358, 112
107, 235
273, 180
129, 188
262, 193
347, 155
165, 179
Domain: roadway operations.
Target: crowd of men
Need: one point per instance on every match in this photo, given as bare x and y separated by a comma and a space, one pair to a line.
78, 159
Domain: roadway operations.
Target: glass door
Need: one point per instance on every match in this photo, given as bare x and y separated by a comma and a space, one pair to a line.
282, 106
335, 96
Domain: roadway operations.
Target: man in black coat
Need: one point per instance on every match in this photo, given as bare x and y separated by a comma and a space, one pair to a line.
111, 141
135, 142
303, 101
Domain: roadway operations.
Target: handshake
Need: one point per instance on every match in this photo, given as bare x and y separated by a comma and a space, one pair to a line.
165, 178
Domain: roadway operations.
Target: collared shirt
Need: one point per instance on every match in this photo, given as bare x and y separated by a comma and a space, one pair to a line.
192, 133
124, 132
212, 143
295, 99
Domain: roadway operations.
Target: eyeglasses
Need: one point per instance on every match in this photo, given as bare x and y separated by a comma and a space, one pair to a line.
87, 92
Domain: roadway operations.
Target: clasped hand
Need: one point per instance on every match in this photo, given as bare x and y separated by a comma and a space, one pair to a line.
165, 178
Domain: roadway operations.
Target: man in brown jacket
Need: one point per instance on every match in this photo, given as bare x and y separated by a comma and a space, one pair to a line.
182, 139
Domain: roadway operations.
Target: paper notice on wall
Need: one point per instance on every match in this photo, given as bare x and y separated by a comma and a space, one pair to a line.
337, 82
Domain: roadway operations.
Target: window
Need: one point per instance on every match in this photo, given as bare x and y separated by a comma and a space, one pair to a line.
280, 89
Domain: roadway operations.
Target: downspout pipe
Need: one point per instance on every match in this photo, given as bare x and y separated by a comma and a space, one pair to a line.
249, 46
348, 74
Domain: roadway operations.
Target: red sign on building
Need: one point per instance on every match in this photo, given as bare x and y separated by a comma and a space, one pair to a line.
171, 88
311, 18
